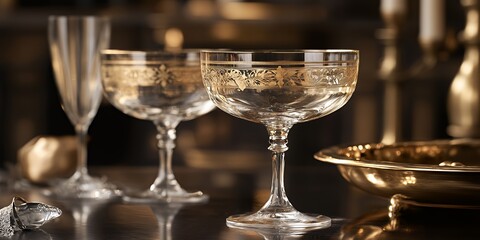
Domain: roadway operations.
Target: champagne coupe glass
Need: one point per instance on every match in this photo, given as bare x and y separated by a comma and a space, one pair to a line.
165, 88
75, 44
279, 89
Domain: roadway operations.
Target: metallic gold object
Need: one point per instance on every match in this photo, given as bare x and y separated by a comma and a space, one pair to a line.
394, 74
45, 158
464, 96
390, 72
442, 173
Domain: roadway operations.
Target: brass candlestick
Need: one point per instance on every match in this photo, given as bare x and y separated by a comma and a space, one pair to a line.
394, 74
391, 74
464, 95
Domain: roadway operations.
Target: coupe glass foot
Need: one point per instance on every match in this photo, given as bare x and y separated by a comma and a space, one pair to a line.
160, 197
289, 221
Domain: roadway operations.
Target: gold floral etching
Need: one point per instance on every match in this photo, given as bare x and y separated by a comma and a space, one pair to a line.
168, 81
150, 75
279, 76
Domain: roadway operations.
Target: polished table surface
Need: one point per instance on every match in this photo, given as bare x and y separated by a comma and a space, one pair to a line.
314, 189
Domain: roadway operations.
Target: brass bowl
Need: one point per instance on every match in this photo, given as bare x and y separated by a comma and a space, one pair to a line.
441, 173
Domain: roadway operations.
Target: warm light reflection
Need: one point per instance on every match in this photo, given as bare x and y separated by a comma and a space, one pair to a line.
245, 11
461, 88
173, 38
7, 5
260, 197
373, 178
200, 8
44, 148
408, 178
225, 31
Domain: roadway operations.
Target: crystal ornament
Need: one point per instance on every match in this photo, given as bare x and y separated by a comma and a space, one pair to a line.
22, 215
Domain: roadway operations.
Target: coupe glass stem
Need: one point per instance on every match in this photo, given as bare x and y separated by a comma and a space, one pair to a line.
165, 181
278, 213
81, 172
278, 201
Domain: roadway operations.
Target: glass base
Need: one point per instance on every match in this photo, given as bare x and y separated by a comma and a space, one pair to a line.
84, 187
149, 196
284, 221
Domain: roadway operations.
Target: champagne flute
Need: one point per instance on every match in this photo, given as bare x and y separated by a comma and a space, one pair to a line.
75, 44
279, 89
165, 88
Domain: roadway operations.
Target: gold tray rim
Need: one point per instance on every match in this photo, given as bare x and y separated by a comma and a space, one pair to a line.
330, 155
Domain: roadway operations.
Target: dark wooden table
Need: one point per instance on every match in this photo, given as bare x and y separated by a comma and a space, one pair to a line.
314, 189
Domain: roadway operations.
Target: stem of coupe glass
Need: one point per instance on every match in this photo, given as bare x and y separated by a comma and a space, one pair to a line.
165, 183
278, 201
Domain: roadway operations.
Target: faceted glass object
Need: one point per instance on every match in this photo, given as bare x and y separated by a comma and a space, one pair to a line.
23, 215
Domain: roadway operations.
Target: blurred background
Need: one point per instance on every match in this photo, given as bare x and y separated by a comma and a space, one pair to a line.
30, 105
